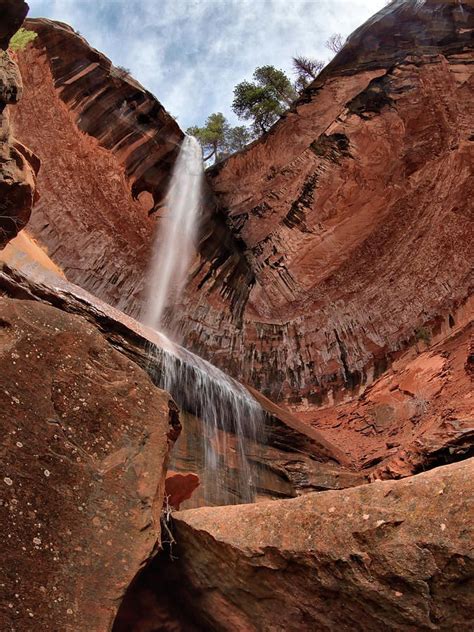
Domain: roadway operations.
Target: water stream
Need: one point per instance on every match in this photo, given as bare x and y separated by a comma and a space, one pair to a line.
231, 421
175, 243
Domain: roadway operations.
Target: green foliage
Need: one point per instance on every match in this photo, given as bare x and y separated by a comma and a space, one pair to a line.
265, 99
238, 137
212, 135
218, 139
424, 334
21, 39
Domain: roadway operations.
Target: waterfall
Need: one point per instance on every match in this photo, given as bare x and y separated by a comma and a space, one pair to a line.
231, 421
176, 242
231, 424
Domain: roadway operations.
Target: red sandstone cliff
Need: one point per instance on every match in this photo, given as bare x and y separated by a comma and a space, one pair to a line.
332, 243
354, 213
108, 147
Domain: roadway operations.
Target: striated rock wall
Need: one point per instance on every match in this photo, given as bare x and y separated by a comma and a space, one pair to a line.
108, 147
291, 458
328, 246
354, 212
18, 165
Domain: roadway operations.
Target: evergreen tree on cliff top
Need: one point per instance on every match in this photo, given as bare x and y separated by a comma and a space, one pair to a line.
263, 100
218, 139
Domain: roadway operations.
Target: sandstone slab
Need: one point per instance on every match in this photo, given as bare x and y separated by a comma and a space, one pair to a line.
393, 555
85, 439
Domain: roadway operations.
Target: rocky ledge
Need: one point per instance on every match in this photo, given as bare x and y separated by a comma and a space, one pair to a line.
391, 555
85, 442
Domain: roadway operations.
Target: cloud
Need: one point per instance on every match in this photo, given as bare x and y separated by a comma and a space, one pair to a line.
191, 53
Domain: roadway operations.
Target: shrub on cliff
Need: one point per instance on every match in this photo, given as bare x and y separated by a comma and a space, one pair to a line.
263, 100
21, 39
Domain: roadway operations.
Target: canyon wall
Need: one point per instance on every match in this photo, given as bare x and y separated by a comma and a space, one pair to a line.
354, 212
328, 246
108, 147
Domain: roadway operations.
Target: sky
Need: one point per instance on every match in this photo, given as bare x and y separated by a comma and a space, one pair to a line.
191, 53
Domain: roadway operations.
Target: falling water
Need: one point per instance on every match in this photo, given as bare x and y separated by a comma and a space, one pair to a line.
232, 422
176, 242
231, 419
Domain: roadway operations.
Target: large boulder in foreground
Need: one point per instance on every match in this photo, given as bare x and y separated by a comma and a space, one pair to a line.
85, 438
392, 555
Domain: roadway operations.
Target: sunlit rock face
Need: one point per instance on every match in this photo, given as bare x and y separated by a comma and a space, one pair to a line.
17, 164
328, 245
394, 555
108, 147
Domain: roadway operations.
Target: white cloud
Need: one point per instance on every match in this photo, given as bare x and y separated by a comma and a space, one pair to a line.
191, 53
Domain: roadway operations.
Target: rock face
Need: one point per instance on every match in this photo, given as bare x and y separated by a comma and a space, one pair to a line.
85, 438
393, 555
354, 214
17, 164
330, 243
108, 147
293, 458
416, 416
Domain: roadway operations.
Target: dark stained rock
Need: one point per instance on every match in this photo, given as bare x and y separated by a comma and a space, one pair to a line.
108, 147
12, 12
394, 555
85, 439
179, 486
293, 458
18, 166
353, 215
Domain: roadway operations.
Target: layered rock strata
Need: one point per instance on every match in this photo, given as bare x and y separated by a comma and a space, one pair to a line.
330, 245
293, 457
354, 213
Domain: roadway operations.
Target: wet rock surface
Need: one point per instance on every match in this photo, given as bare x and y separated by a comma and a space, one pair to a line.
293, 457
393, 555
85, 438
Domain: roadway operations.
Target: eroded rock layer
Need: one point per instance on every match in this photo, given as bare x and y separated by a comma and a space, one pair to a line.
108, 147
85, 438
290, 458
329, 245
355, 212
394, 555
